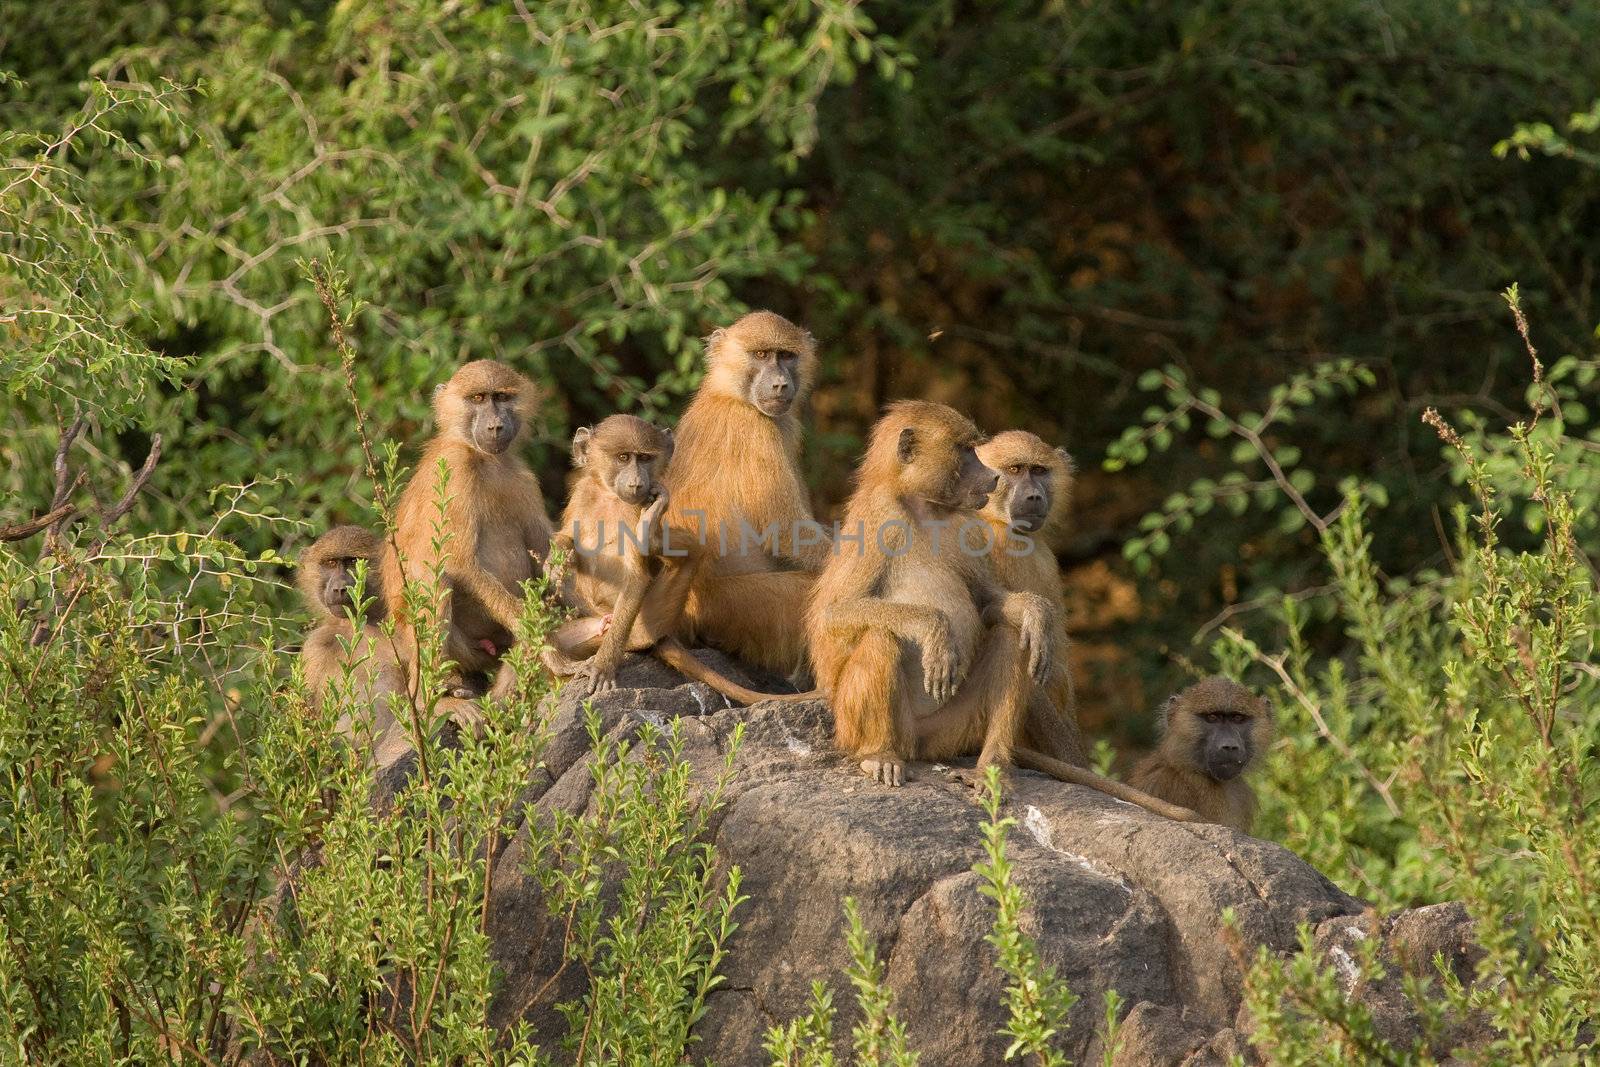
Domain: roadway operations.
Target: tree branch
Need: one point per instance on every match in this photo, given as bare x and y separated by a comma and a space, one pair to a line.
121, 507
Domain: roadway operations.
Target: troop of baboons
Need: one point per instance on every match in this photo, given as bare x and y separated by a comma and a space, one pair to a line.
931, 617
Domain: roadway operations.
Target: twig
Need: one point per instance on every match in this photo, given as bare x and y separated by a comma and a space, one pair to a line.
60, 464
1275, 664
121, 507
65, 484
1318, 522
32, 526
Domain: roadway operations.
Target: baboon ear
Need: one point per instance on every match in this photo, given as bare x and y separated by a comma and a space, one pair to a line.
714, 341
1164, 714
907, 444
438, 390
580, 446
667, 445
1066, 457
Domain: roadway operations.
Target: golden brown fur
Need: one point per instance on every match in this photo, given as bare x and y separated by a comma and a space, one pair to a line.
495, 517
734, 464
1027, 513
630, 574
1183, 768
326, 580
378, 674
922, 654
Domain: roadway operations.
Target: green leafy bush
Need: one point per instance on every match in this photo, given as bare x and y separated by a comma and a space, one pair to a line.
1452, 753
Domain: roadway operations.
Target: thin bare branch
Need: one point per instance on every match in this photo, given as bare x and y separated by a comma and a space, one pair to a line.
1275, 664
63, 475
121, 507
32, 526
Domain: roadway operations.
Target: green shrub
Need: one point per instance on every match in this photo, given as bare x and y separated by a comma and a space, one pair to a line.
1451, 755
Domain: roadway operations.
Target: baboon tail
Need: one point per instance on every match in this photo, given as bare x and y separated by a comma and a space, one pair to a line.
680, 659
1066, 772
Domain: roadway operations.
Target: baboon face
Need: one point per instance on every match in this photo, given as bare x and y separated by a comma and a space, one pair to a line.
485, 404
1225, 749
935, 449
328, 569
975, 481
628, 455
764, 359
338, 581
492, 423
1034, 479
774, 380
1224, 726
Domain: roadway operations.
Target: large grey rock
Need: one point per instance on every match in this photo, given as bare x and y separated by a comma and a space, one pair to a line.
1119, 898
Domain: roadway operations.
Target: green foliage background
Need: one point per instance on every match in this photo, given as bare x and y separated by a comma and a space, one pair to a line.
1020, 206
1255, 240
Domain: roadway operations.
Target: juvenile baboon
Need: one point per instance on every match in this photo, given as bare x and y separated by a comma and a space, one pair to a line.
327, 582
921, 653
498, 531
736, 480
630, 572
1212, 733
1027, 512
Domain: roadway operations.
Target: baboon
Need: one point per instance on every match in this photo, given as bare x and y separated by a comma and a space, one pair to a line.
327, 582
498, 531
630, 573
735, 480
1026, 512
922, 654
1212, 733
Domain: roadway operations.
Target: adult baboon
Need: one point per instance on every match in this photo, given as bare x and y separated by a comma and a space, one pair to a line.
1212, 734
630, 573
494, 517
1026, 512
922, 654
735, 480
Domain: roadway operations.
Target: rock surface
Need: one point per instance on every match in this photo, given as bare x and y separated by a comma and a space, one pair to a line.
1118, 898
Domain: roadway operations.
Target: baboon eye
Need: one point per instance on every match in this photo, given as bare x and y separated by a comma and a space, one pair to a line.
476, 398
1039, 471
784, 353
1015, 468
501, 398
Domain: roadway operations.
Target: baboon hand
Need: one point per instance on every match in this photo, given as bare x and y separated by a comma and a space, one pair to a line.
658, 504
1036, 640
885, 768
594, 679
942, 669
466, 714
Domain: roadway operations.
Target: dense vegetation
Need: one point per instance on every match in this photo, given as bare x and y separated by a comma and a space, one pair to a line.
1259, 240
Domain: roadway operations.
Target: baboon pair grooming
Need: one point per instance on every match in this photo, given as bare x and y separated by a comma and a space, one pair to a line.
935, 654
